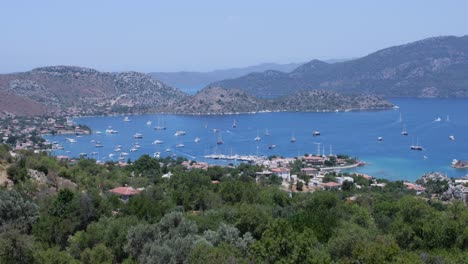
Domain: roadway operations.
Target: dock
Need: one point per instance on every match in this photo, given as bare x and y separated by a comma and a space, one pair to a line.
248, 158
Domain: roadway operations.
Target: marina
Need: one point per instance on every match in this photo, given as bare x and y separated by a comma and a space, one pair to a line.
396, 156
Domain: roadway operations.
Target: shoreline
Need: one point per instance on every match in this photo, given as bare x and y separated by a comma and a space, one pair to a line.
344, 167
245, 113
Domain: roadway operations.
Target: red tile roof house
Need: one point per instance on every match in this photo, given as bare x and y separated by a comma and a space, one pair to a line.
125, 192
411, 186
331, 185
284, 173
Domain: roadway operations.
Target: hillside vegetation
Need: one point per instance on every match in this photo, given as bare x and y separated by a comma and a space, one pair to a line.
218, 215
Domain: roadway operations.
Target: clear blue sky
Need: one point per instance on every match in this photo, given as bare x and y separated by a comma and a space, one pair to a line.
202, 35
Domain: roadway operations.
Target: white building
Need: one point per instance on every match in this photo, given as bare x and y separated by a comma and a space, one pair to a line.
284, 173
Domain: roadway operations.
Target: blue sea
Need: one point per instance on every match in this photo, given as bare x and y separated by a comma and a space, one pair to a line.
351, 133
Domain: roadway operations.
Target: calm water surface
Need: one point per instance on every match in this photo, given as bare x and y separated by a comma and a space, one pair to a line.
352, 133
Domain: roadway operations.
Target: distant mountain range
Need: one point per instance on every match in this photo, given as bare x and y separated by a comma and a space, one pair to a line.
191, 82
433, 67
67, 90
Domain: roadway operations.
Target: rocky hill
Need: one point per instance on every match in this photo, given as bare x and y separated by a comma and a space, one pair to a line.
87, 91
81, 91
434, 67
217, 100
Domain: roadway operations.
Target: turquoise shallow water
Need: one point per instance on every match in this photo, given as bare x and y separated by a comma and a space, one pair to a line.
352, 133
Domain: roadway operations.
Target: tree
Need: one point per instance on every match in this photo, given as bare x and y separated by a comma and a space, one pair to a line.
253, 219
224, 253
281, 244
319, 213
299, 186
169, 241
190, 189
17, 211
15, 247
53, 255
17, 173
99, 254
230, 235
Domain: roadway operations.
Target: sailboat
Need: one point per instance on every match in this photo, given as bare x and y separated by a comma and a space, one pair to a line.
417, 146
293, 138
403, 131
159, 126
267, 133
257, 138
447, 119
234, 125
400, 119
220, 140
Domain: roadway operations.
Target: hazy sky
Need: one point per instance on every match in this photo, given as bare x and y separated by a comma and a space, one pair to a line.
204, 35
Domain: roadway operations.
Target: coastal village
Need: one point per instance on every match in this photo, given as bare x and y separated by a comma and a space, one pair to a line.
24, 133
307, 173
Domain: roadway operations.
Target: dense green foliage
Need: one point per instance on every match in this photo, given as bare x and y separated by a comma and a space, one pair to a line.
189, 219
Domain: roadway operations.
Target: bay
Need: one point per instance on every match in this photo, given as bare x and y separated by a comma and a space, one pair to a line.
351, 133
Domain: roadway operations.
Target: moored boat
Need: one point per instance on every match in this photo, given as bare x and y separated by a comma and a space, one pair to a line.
180, 133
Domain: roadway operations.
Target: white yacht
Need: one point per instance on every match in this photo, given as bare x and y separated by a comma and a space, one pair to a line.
452, 137
417, 146
179, 133
98, 132
316, 133
98, 145
380, 138
404, 132
157, 142
149, 123
180, 145
257, 138
133, 149
138, 135
168, 150
438, 119
157, 155
71, 140
123, 154
111, 131
126, 119
197, 139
